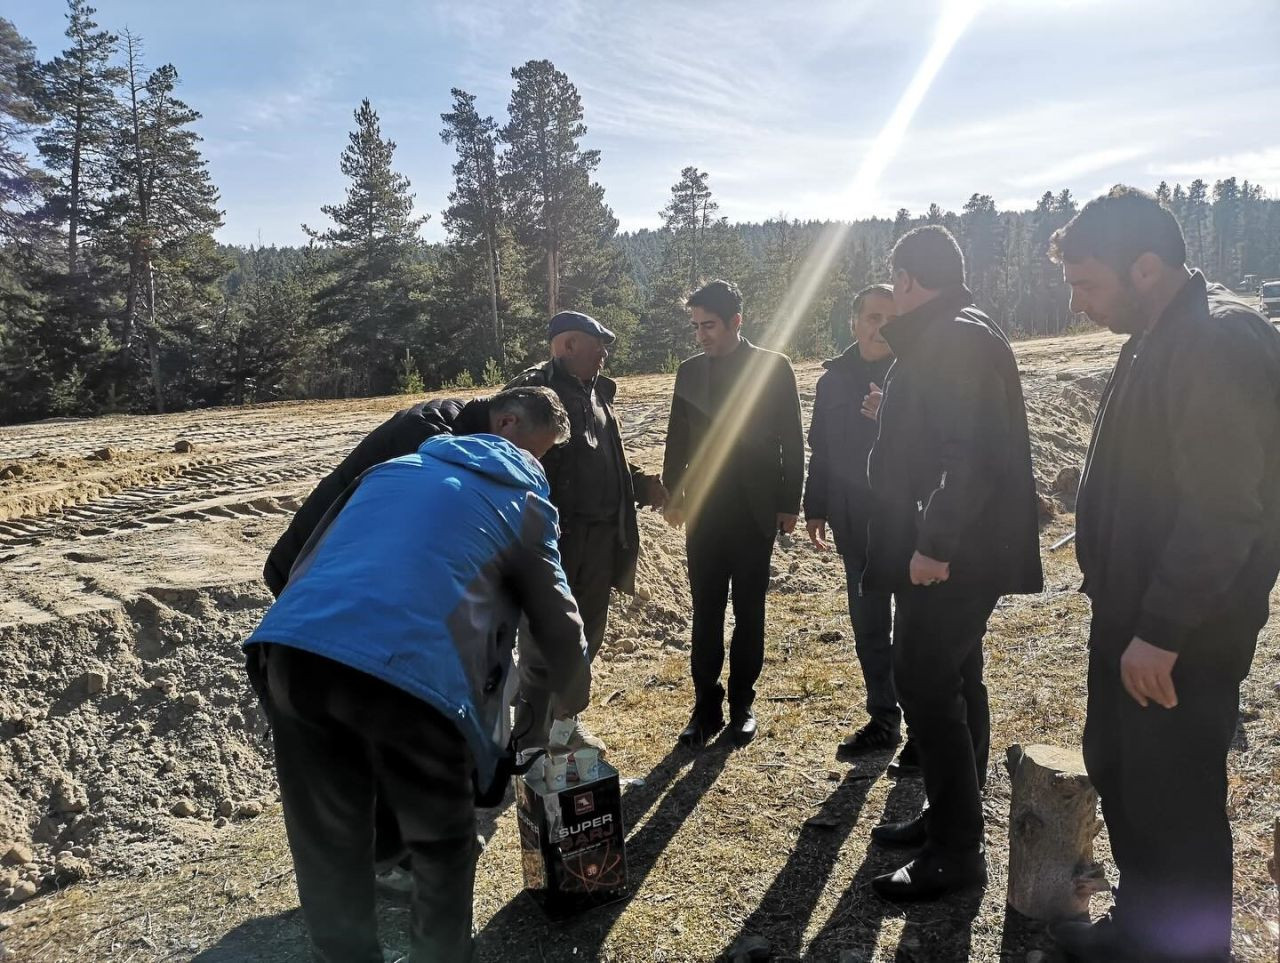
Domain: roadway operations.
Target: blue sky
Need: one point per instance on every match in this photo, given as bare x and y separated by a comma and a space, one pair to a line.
779, 102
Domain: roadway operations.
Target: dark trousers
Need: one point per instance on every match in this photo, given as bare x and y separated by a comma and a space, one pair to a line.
1162, 776
872, 617
726, 551
342, 738
937, 669
588, 552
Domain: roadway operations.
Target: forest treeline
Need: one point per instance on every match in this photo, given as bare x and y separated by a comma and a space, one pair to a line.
115, 295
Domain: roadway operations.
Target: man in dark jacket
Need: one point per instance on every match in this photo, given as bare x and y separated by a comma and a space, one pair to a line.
1178, 537
401, 434
595, 489
836, 494
734, 465
382, 667
956, 529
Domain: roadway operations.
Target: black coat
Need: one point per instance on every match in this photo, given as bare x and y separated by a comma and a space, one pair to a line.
1178, 515
569, 466
401, 434
840, 439
952, 461
765, 460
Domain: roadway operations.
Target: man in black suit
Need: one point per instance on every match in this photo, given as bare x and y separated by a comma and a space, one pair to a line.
955, 528
1178, 538
734, 467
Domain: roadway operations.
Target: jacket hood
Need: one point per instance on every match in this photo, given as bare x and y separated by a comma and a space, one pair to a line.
491, 456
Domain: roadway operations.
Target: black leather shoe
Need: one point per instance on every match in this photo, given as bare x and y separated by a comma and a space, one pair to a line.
702, 726
873, 737
907, 765
1100, 942
742, 727
931, 876
914, 832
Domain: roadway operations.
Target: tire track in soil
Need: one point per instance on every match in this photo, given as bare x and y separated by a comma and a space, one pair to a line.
199, 493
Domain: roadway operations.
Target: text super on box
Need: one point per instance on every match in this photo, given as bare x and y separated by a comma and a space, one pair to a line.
572, 842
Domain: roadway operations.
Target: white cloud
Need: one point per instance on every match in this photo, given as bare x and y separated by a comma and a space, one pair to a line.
1260, 166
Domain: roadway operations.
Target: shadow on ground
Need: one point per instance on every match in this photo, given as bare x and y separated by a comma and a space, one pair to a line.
519, 927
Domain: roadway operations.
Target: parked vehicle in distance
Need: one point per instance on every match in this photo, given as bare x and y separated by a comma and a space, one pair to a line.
1269, 296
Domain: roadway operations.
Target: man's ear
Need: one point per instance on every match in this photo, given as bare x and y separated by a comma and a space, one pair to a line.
736, 323
505, 423
903, 280
1146, 271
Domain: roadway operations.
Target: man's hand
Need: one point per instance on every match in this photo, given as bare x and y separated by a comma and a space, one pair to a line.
674, 517
787, 523
871, 403
655, 493
928, 571
1147, 673
817, 529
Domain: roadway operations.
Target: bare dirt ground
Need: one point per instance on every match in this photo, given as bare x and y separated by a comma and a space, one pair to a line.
136, 793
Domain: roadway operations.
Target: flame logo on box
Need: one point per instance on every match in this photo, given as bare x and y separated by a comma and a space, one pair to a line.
584, 804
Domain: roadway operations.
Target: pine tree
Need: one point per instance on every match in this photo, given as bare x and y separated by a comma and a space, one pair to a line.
687, 216
554, 206
20, 183
981, 241
166, 210
78, 93
475, 212
370, 305
1195, 224
901, 222
1226, 230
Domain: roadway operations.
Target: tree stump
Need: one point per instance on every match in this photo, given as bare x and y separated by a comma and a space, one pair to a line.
1053, 820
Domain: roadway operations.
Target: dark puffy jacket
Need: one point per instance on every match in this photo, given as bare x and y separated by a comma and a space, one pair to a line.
569, 466
401, 434
1178, 516
840, 439
952, 461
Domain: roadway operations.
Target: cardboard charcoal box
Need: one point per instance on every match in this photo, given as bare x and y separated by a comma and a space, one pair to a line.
572, 842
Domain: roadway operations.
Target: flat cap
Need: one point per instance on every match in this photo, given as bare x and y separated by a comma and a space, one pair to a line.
576, 321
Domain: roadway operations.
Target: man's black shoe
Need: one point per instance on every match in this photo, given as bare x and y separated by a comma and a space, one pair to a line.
1100, 942
907, 764
702, 726
742, 727
914, 832
930, 876
873, 737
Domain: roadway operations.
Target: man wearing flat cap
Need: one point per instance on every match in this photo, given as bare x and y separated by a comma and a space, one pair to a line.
596, 491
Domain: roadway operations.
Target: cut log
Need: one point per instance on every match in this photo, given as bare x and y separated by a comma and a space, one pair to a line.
1053, 821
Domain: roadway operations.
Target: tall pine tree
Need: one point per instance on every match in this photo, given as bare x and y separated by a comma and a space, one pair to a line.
370, 303
167, 210
78, 92
555, 207
474, 215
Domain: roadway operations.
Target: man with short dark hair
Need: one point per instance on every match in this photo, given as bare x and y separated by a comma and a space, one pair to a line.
382, 669
1178, 537
956, 528
734, 467
596, 490
836, 494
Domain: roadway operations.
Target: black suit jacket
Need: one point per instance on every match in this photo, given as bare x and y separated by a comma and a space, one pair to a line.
1178, 516
757, 448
